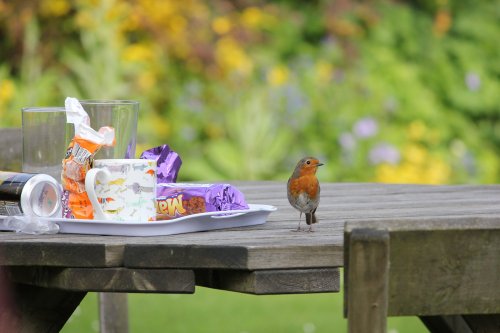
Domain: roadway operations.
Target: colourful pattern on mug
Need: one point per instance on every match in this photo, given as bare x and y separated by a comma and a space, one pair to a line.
123, 189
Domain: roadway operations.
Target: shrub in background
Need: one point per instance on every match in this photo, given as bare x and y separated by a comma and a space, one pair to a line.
387, 91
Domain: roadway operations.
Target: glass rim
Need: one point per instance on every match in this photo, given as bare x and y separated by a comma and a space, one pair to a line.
43, 108
109, 101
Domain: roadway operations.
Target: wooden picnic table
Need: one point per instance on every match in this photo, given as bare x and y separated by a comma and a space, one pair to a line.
52, 273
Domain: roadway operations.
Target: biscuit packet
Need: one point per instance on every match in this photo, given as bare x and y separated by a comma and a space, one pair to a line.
78, 160
181, 199
175, 200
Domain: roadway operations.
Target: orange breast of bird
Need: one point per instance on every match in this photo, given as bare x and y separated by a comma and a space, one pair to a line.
307, 184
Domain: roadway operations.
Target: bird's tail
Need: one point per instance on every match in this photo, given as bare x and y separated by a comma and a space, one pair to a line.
311, 218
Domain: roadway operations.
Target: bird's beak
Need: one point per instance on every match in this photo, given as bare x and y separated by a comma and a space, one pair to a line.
319, 164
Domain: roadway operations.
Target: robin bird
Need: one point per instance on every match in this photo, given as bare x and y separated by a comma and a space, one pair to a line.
303, 189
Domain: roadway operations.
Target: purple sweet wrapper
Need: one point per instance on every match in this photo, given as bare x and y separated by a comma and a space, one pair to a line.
168, 163
176, 200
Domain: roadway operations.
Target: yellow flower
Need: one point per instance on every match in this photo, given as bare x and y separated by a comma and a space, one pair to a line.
131, 22
158, 11
278, 76
323, 71
409, 173
177, 24
403, 173
181, 49
252, 17
417, 130
231, 57
138, 53
7, 90
54, 8
385, 173
85, 20
438, 172
431, 171
146, 80
92, 3
415, 154
221, 25
118, 11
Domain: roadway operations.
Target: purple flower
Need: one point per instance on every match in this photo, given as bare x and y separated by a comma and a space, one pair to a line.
347, 141
365, 127
384, 153
472, 81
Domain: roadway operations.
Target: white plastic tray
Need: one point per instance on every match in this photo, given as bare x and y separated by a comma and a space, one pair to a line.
256, 214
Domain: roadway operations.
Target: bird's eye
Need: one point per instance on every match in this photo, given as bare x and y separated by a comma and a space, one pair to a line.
308, 162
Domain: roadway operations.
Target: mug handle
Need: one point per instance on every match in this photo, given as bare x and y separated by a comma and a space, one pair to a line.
90, 179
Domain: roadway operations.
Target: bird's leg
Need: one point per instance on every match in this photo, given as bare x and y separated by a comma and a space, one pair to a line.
313, 220
300, 220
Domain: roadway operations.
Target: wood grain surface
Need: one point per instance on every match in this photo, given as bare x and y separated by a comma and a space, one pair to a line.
273, 245
367, 274
107, 279
268, 282
460, 258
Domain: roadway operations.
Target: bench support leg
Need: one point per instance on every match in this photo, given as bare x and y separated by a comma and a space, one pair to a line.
113, 312
367, 281
41, 310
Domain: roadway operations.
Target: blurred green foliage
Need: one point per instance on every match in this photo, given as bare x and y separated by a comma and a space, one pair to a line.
383, 91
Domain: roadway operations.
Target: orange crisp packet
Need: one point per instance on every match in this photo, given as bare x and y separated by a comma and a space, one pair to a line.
78, 160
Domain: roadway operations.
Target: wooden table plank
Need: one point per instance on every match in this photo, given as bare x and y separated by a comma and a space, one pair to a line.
270, 282
50, 250
106, 279
247, 248
246, 257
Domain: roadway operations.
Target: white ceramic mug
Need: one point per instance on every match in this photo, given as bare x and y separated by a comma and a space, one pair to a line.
122, 189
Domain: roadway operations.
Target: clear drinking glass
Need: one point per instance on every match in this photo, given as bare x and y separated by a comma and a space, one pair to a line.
122, 116
46, 136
